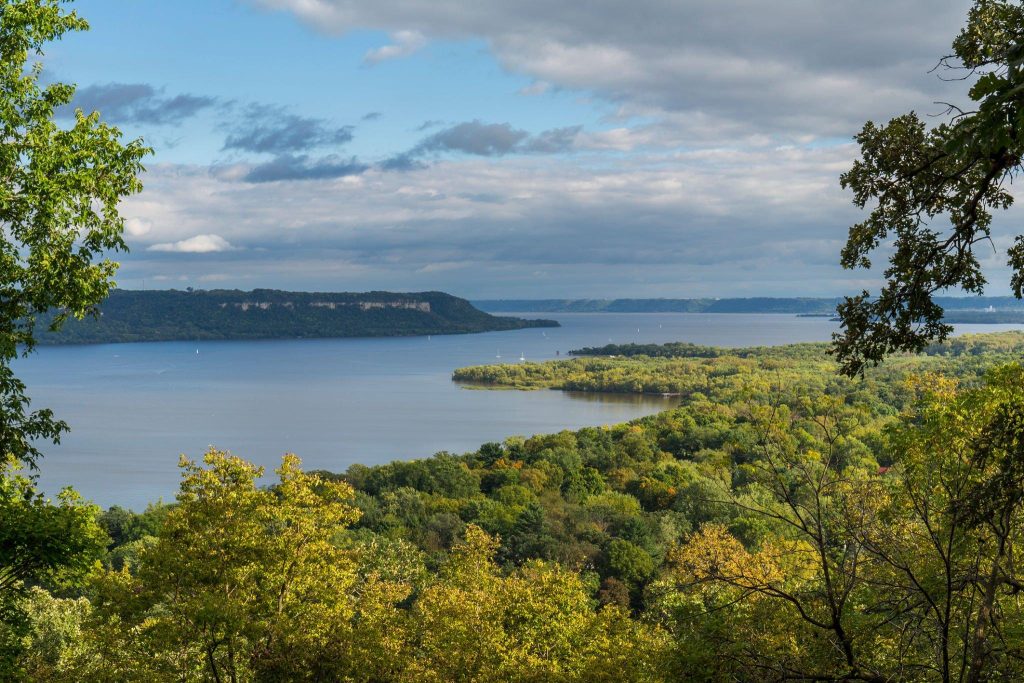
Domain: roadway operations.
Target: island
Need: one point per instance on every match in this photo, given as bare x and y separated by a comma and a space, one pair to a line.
177, 315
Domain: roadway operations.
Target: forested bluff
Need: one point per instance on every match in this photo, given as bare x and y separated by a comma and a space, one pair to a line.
194, 314
782, 523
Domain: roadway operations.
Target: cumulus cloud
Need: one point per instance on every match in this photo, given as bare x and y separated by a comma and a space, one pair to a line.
714, 173
200, 244
136, 227
785, 68
274, 130
475, 137
137, 103
405, 161
552, 141
290, 167
404, 43
707, 221
488, 140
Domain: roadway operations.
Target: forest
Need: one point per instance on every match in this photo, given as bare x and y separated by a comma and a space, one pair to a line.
813, 512
192, 315
872, 521
688, 369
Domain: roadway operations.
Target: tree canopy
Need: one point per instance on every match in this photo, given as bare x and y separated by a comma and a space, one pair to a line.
60, 189
932, 193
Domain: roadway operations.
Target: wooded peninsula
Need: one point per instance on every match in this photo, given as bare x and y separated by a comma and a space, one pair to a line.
176, 315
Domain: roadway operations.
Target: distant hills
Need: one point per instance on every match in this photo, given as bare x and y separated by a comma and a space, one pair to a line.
757, 305
167, 315
999, 309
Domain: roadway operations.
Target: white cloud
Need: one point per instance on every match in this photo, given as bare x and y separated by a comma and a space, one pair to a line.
477, 225
404, 44
200, 244
785, 68
136, 227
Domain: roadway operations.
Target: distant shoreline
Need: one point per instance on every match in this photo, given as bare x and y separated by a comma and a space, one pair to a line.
959, 310
129, 316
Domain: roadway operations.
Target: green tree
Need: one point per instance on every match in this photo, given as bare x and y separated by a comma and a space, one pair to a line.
904, 575
933, 191
59, 194
242, 582
474, 624
944, 530
55, 640
40, 542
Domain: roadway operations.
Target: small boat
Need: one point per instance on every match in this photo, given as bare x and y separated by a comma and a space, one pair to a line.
522, 356
499, 354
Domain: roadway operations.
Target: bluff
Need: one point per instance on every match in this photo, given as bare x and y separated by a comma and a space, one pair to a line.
167, 315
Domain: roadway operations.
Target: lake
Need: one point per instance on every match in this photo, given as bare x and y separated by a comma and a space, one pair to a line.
133, 408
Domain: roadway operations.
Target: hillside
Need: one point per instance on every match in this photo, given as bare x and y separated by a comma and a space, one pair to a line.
167, 315
650, 552
978, 306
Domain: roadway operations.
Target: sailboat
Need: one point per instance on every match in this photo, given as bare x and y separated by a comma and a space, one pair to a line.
499, 354
522, 356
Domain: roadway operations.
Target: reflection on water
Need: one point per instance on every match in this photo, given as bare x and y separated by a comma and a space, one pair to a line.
650, 403
654, 403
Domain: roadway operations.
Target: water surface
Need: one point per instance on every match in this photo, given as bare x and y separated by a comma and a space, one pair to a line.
134, 408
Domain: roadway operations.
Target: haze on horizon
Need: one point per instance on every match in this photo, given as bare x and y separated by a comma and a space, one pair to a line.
504, 149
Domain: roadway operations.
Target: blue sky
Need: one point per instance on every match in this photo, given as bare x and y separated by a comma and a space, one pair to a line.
502, 148
240, 54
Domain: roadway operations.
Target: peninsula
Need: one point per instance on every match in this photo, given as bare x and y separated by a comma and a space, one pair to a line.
168, 315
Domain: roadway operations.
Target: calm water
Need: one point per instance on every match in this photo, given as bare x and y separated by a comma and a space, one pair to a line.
134, 407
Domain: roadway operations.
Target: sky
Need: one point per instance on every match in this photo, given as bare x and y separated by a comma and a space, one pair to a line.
504, 148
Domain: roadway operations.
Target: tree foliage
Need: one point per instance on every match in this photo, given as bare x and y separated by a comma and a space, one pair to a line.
41, 543
932, 193
59, 195
861, 519
904, 575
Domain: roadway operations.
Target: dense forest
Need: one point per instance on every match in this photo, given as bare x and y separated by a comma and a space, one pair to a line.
801, 515
777, 492
690, 369
166, 315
